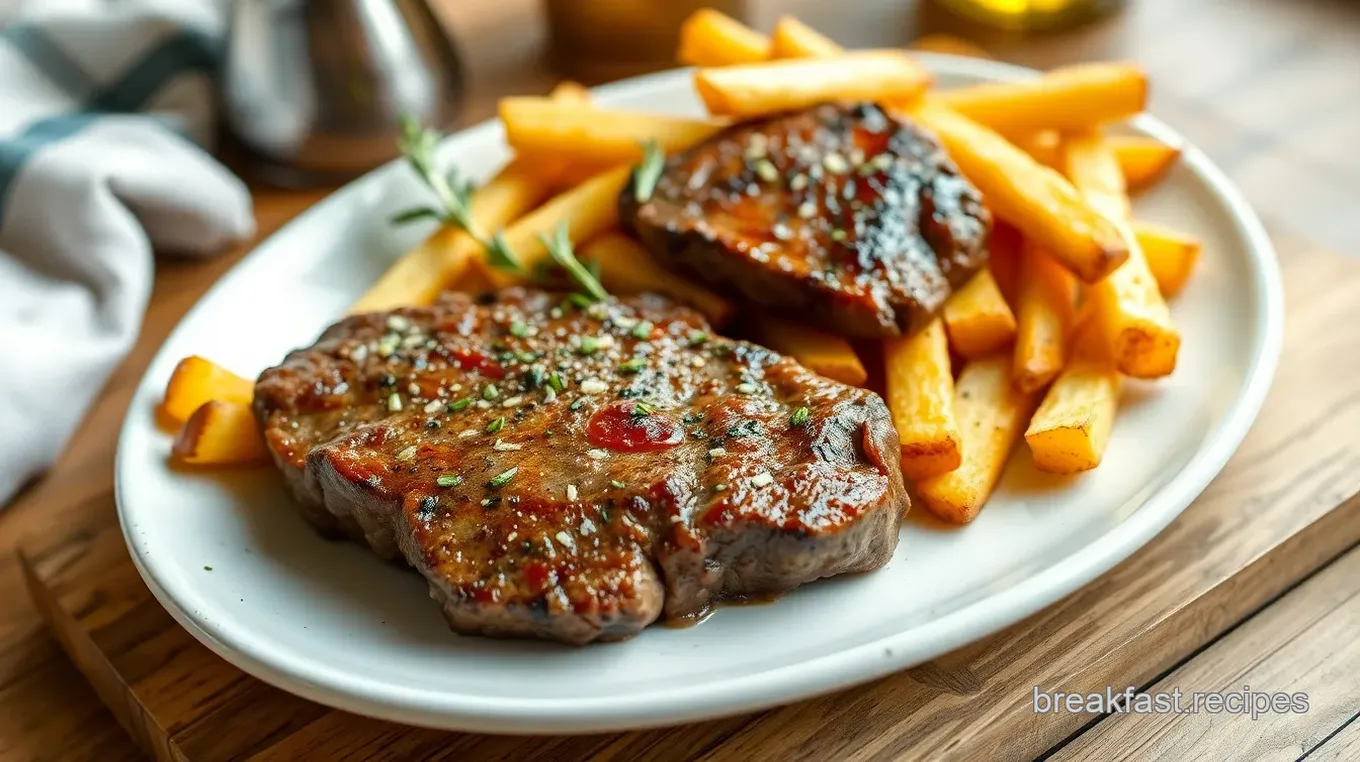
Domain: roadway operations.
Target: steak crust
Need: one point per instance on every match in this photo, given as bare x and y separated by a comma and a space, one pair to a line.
575, 474
842, 214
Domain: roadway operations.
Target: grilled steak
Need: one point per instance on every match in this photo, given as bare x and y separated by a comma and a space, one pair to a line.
571, 474
842, 214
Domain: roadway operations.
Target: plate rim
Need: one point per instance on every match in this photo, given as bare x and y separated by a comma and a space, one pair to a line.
823, 674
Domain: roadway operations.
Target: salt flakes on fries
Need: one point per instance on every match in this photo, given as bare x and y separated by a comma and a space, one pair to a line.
1073, 302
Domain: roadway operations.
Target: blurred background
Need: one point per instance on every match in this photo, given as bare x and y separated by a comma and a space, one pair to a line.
1269, 88
1250, 81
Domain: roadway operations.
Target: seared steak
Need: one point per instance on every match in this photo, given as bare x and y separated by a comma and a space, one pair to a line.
842, 214
569, 473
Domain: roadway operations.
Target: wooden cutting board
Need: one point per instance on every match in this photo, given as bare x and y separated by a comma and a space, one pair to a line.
1287, 503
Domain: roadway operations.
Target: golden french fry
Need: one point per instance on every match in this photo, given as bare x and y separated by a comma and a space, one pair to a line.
544, 130
991, 413
588, 210
1127, 304
219, 433
1045, 146
1071, 428
1143, 160
1032, 197
196, 381
418, 277
568, 91
709, 38
794, 39
978, 318
1070, 98
757, 89
920, 391
819, 351
1171, 255
1047, 308
949, 45
627, 268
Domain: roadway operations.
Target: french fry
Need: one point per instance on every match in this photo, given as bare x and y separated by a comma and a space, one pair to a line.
920, 391
1131, 312
794, 39
196, 381
709, 38
991, 413
544, 130
1036, 199
627, 268
819, 351
568, 91
949, 45
1171, 255
1045, 146
1144, 160
1047, 306
1070, 98
219, 433
756, 89
589, 209
1071, 428
978, 318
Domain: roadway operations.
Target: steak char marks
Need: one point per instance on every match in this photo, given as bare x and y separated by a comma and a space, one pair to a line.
572, 474
842, 215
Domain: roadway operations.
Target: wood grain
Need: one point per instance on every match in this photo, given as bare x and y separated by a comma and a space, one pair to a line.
1286, 504
1273, 100
1344, 746
1303, 644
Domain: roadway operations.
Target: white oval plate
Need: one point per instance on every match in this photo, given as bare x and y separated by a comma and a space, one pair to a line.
330, 622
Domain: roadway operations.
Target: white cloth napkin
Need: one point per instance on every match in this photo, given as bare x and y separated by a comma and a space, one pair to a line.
103, 106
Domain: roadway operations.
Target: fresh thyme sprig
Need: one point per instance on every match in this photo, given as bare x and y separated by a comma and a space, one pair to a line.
648, 172
559, 248
417, 145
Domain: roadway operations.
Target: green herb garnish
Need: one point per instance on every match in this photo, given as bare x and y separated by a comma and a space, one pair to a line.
503, 478
589, 345
633, 365
648, 172
520, 329
461, 404
490, 392
418, 145
697, 337
448, 480
496, 425
642, 410
643, 330
556, 382
800, 417
616, 484
559, 248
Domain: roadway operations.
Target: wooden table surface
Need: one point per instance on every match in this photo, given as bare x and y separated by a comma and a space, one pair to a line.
1271, 90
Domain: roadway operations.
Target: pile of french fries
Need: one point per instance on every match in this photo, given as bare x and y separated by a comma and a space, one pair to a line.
1036, 345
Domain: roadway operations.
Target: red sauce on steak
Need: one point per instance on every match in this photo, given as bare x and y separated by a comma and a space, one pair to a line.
633, 427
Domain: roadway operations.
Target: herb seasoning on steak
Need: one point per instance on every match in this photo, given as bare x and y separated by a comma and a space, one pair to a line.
841, 214
573, 472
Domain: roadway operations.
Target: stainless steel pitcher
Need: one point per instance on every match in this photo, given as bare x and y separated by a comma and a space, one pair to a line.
314, 88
